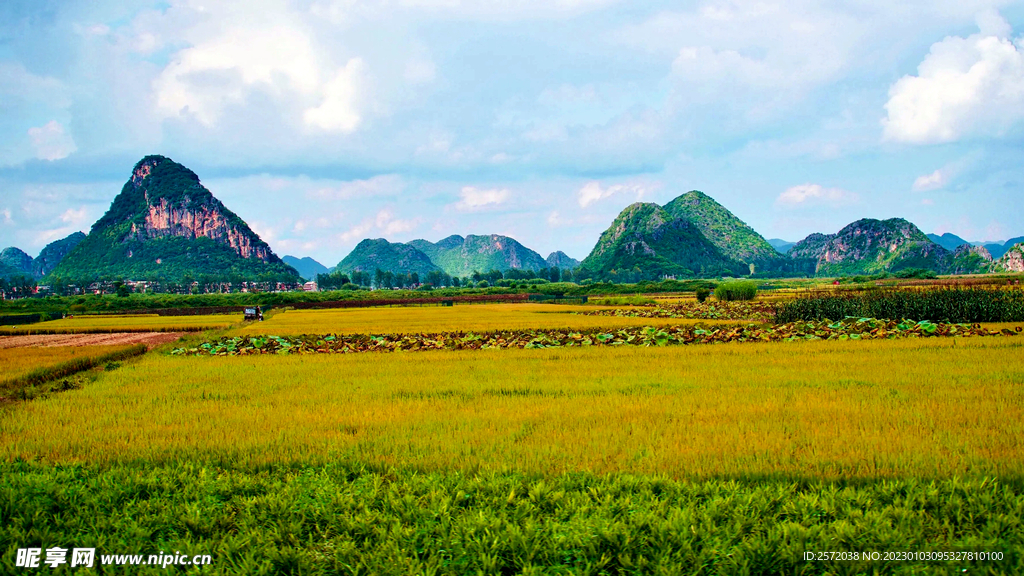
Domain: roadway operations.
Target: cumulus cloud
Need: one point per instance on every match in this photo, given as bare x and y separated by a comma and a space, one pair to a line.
473, 198
232, 56
933, 181
964, 87
593, 191
338, 110
815, 194
50, 142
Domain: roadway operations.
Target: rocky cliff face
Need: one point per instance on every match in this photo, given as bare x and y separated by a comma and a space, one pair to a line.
187, 221
870, 246
1012, 261
188, 211
969, 259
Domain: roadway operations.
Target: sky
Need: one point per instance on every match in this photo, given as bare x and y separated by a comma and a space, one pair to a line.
323, 122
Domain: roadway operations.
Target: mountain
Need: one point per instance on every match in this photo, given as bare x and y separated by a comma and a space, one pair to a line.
460, 256
870, 246
948, 241
969, 259
369, 255
561, 260
165, 225
728, 233
306, 267
648, 242
53, 253
1012, 261
17, 260
781, 246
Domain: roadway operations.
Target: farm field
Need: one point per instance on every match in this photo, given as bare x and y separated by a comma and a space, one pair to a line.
417, 319
15, 362
716, 459
133, 323
727, 459
923, 408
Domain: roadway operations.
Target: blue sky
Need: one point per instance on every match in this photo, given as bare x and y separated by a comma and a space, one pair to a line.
322, 122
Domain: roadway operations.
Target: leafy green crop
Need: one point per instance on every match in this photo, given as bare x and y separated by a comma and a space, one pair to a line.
849, 329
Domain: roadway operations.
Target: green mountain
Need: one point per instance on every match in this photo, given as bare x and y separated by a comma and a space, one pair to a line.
369, 255
16, 259
562, 261
728, 233
460, 256
647, 242
871, 246
306, 267
53, 253
165, 225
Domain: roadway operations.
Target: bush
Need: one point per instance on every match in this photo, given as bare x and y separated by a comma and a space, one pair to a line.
702, 294
736, 290
482, 284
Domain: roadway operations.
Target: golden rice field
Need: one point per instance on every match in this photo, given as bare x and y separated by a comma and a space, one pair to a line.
824, 410
15, 362
425, 319
129, 323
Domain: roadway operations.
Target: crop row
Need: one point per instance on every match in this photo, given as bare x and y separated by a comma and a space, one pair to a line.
944, 304
754, 311
849, 329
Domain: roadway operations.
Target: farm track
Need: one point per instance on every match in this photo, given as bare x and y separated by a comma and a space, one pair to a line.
150, 339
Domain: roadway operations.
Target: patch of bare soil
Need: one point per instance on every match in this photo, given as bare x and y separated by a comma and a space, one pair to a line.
150, 339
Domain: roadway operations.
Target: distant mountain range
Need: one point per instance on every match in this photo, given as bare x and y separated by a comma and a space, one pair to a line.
15, 262
306, 267
165, 225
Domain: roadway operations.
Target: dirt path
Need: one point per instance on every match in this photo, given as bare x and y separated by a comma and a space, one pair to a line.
150, 339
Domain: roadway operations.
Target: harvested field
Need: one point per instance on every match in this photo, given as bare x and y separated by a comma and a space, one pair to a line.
150, 339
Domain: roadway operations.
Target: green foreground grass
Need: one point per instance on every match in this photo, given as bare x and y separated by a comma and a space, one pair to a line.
341, 519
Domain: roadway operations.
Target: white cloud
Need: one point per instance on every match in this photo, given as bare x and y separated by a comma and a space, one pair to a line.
592, 192
475, 198
50, 142
235, 49
7, 216
811, 194
964, 87
384, 222
338, 111
377, 186
933, 181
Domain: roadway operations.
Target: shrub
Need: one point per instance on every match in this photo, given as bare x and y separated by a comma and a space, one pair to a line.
736, 290
702, 294
482, 284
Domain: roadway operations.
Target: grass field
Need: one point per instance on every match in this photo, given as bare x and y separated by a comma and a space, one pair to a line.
113, 323
819, 410
15, 362
416, 319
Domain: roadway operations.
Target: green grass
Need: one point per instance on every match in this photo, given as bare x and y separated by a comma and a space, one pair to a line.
342, 519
